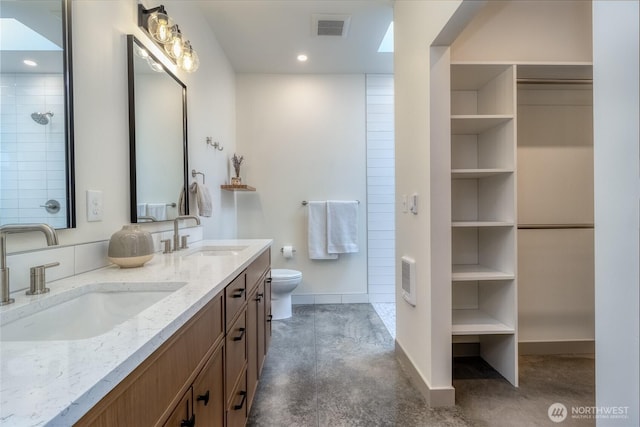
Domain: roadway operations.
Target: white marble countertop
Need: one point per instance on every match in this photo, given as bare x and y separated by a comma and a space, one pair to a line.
55, 383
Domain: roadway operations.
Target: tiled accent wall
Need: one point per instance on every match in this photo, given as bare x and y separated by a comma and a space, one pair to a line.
32, 156
380, 188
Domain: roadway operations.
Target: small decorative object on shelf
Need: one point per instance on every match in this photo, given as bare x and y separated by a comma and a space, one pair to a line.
237, 161
130, 247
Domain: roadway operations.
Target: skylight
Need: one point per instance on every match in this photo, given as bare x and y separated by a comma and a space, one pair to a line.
386, 45
14, 35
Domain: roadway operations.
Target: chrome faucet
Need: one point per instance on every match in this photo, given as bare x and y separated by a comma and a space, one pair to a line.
50, 235
176, 234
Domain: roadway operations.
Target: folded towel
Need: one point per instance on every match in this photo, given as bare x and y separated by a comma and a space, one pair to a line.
141, 209
317, 238
158, 211
342, 227
202, 199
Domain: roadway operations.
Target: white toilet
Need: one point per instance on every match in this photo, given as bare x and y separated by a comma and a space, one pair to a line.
283, 282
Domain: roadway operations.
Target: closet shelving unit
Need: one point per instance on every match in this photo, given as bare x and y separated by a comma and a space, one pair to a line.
483, 209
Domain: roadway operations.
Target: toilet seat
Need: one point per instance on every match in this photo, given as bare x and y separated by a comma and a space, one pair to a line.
285, 274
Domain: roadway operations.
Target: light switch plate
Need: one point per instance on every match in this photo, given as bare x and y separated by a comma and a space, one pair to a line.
94, 205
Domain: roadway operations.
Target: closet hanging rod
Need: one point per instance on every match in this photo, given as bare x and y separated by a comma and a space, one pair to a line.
555, 81
305, 202
553, 226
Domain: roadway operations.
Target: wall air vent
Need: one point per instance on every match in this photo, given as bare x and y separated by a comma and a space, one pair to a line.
330, 25
409, 280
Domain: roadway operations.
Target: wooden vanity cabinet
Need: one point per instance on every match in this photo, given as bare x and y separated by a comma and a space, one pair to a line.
201, 375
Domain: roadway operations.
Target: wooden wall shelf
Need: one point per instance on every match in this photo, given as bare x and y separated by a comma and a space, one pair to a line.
241, 187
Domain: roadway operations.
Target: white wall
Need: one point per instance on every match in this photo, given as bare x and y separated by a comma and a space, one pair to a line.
101, 118
380, 188
527, 31
416, 25
303, 138
617, 193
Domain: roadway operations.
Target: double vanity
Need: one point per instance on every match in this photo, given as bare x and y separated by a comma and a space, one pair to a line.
178, 342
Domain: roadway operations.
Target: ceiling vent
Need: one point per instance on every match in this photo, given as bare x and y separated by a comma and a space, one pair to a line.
330, 25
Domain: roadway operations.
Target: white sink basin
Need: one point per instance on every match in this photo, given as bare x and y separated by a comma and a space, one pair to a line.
84, 312
218, 250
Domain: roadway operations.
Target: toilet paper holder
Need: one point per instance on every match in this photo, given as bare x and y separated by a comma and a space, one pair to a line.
282, 250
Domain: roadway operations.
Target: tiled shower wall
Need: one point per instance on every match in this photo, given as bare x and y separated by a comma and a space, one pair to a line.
380, 188
32, 155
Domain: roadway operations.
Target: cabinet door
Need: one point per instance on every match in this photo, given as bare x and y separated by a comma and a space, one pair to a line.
208, 391
268, 316
261, 320
252, 345
182, 415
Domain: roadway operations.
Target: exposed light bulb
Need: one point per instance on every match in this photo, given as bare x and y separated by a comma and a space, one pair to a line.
189, 61
160, 25
175, 46
302, 57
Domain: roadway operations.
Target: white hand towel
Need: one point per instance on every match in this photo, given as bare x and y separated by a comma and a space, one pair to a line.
141, 208
158, 211
342, 227
317, 238
202, 198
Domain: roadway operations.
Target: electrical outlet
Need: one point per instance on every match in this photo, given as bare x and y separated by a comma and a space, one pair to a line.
94, 205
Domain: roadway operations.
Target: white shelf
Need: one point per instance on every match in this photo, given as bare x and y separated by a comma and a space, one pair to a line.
477, 322
477, 124
464, 272
477, 173
482, 224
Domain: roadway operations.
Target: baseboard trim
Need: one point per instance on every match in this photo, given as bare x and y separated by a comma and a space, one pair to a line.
434, 397
557, 347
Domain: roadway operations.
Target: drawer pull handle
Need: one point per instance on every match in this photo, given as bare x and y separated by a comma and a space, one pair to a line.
267, 280
238, 293
204, 398
244, 397
191, 422
239, 337
259, 297
269, 318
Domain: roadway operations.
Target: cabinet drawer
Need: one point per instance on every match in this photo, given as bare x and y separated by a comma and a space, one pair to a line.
237, 409
257, 269
236, 351
235, 297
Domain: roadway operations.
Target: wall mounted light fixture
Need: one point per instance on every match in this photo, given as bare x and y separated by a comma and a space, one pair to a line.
157, 23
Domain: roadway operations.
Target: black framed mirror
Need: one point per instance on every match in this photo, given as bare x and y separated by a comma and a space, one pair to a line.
36, 125
157, 137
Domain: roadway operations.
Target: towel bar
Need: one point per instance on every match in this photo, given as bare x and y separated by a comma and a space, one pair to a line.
305, 202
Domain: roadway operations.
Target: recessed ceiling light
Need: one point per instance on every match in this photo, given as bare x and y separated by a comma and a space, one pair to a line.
302, 57
30, 63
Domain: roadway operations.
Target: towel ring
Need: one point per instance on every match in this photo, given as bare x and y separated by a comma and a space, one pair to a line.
194, 173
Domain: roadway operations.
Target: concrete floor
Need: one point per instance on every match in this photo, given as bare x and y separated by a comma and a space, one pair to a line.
334, 365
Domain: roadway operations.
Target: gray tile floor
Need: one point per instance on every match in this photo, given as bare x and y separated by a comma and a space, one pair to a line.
334, 365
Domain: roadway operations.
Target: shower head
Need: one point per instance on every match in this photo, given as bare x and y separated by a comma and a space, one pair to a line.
42, 118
